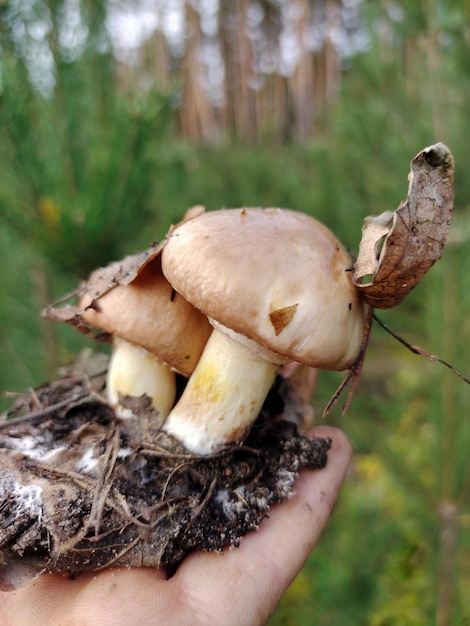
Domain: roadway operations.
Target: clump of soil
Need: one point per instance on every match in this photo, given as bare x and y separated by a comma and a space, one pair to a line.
82, 490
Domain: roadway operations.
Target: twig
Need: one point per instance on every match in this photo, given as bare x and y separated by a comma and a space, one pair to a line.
421, 351
354, 372
44, 411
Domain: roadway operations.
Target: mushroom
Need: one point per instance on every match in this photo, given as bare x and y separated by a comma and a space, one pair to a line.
155, 333
276, 287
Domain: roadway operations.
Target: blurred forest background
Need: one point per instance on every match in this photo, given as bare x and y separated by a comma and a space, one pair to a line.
115, 116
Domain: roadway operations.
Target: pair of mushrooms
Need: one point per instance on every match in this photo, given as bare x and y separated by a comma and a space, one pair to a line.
234, 295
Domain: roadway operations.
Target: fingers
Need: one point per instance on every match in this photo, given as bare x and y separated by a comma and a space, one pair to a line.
241, 586
113, 597
302, 379
245, 584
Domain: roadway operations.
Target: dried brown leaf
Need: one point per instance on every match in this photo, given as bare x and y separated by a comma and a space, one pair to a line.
398, 248
103, 279
100, 282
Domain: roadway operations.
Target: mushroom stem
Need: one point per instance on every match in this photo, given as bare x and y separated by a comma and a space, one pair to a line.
134, 372
224, 395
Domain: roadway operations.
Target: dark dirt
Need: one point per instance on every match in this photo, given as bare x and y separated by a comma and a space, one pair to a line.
82, 490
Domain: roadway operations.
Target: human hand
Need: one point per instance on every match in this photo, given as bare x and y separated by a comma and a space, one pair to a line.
242, 586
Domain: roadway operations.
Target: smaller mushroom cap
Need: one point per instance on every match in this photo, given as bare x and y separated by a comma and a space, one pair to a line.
275, 276
148, 313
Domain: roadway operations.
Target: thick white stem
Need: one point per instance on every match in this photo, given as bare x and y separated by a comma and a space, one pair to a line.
223, 396
133, 371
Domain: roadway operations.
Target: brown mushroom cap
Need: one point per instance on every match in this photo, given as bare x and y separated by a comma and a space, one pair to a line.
148, 313
273, 275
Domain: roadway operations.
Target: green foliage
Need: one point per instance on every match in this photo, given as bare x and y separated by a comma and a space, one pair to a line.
90, 173
79, 153
78, 161
395, 553
238, 175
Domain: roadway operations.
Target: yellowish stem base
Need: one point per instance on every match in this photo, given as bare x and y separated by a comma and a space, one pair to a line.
133, 372
223, 396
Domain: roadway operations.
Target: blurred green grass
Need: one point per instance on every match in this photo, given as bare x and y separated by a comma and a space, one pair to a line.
92, 174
